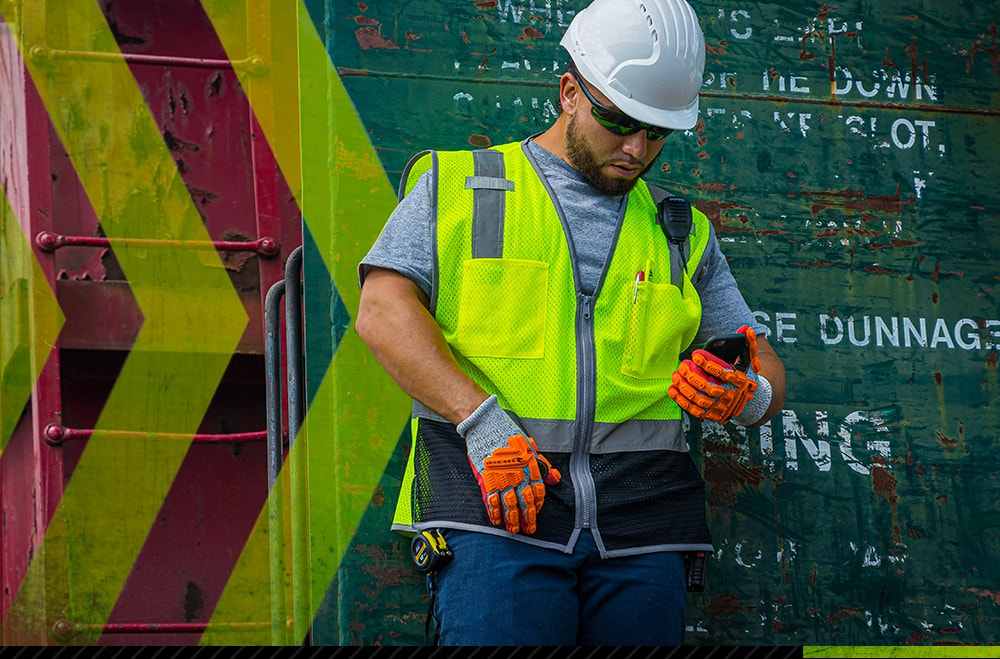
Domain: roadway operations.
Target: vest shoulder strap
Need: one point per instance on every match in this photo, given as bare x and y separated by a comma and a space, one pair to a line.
414, 169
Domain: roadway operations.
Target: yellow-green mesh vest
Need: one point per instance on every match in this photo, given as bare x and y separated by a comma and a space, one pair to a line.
520, 329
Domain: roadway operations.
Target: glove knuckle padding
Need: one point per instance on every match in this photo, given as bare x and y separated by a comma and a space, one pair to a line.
695, 385
527, 497
709, 392
709, 364
511, 511
539, 496
691, 408
687, 390
695, 380
493, 507
497, 481
528, 512
702, 400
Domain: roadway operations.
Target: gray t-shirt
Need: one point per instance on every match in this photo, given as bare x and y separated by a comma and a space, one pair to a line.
405, 244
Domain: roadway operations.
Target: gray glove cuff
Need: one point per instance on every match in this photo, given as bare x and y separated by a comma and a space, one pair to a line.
755, 408
486, 429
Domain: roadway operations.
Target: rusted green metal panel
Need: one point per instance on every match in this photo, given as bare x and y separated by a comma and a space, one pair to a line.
847, 155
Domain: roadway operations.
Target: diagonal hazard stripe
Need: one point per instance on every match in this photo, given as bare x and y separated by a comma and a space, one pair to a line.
30, 317
839, 651
193, 317
351, 428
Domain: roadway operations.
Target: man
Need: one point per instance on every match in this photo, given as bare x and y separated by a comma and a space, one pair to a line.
529, 301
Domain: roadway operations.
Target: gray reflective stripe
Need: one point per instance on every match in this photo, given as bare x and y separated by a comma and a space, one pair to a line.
488, 183
650, 549
677, 258
557, 435
488, 203
639, 435
491, 530
410, 530
422, 411
699, 271
635, 435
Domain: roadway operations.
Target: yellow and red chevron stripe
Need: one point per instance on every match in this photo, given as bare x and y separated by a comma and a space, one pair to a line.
175, 365
30, 317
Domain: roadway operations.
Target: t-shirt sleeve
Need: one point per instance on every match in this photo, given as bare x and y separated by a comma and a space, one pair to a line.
723, 309
404, 245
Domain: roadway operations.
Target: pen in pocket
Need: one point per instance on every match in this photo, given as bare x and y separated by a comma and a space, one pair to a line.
639, 276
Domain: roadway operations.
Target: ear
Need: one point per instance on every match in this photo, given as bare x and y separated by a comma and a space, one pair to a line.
569, 93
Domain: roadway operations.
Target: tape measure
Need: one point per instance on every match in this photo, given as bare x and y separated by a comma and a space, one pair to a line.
429, 551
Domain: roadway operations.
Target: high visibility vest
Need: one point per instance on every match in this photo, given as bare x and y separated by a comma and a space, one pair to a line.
584, 375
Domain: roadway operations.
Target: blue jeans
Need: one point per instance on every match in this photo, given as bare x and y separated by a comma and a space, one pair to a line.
498, 591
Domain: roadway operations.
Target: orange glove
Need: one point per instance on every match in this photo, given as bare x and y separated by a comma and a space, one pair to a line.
708, 388
512, 483
508, 467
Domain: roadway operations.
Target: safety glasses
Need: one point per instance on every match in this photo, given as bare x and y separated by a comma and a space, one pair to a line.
618, 122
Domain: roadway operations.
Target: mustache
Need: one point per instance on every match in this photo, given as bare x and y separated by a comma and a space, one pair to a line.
626, 162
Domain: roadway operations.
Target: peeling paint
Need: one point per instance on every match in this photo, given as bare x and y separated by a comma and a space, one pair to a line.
370, 37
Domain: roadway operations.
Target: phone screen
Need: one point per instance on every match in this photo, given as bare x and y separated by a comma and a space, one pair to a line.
727, 348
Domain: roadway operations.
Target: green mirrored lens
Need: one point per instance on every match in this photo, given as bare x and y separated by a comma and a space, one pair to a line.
618, 122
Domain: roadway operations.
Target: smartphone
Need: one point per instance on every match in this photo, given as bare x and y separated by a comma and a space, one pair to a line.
729, 348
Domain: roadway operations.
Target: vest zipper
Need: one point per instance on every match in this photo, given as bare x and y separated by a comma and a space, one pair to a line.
585, 408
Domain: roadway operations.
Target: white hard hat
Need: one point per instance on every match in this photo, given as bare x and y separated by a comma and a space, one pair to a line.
646, 56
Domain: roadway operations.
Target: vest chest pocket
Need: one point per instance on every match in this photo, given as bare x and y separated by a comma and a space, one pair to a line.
661, 323
502, 309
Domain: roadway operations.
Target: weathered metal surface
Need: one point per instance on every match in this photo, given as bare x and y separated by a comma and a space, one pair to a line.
146, 534
31, 472
845, 155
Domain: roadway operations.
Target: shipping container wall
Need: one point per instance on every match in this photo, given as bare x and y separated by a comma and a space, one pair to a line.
845, 155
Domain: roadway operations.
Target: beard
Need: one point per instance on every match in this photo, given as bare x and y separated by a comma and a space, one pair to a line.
585, 161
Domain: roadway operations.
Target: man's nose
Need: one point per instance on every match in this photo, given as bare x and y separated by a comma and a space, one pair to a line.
636, 145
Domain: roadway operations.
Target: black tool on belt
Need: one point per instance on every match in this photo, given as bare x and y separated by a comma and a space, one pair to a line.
430, 553
695, 563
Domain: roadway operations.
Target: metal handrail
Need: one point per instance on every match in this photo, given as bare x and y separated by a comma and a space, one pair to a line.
298, 473
56, 434
272, 379
49, 241
291, 290
293, 341
43, 54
